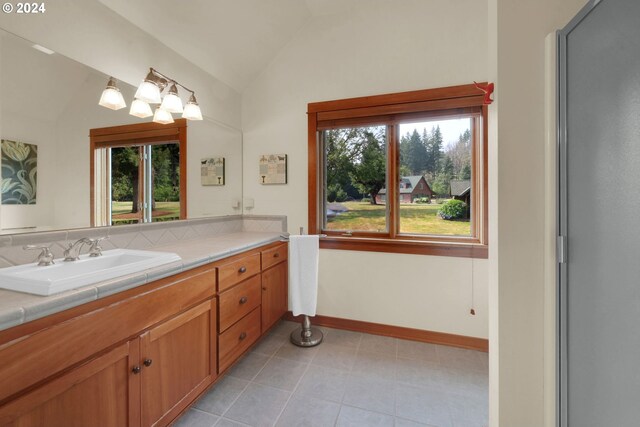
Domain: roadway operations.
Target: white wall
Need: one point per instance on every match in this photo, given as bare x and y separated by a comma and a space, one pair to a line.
519, 393
387, 46
210, 139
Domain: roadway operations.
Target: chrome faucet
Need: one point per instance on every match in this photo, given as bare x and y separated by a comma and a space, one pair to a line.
45, 258
72, 253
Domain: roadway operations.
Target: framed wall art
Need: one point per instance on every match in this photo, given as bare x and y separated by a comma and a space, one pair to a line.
19, 183
212, 171
273, 169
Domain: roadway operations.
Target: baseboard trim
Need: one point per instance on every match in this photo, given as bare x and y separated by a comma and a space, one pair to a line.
421, 335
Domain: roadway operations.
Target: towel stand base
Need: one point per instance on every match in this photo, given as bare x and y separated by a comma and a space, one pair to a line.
306, 336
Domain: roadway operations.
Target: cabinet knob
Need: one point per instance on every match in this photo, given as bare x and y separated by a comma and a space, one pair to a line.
136, 369
242, 269
242, 336
243, 300
147, 362
264, 288
276, 255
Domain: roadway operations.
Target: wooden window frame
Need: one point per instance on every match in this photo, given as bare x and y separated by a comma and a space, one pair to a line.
390, 110
140, 134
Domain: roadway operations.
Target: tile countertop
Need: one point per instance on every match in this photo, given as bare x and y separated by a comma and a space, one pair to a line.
17, 307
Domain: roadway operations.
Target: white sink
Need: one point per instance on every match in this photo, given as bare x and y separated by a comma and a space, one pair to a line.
63, 276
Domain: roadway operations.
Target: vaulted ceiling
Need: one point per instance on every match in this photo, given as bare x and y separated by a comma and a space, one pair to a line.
234, 40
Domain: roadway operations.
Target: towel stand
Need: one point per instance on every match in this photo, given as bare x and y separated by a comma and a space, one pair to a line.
306, 335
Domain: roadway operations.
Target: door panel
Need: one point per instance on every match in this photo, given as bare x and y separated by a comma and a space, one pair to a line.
101, 393
274, 294
600, 211
180, 355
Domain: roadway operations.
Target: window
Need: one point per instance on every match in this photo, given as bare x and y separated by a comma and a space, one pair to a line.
138, 173
401, 172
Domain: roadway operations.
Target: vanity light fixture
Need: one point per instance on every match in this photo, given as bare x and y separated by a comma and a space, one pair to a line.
111, 96
150, 92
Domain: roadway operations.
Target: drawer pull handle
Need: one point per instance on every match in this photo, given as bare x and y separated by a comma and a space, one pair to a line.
147, 362
242, 336
276, 255
136, 370
243, 300
242, 269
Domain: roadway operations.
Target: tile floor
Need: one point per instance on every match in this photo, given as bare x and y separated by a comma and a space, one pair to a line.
351, 379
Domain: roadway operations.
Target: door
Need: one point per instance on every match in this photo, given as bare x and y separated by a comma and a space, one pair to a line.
101, 393
599, 175
274, 294
178, 362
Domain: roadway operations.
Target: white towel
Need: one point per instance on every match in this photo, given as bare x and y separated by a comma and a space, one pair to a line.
303, 274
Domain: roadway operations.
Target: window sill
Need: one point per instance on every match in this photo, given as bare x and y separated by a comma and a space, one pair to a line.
460, 250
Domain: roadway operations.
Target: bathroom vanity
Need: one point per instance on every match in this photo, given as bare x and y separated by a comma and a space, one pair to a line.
141, 356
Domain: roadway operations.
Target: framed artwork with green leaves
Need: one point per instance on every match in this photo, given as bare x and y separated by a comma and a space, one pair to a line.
19, 162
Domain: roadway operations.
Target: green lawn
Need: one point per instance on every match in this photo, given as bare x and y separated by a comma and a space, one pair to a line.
121, 211
414, 218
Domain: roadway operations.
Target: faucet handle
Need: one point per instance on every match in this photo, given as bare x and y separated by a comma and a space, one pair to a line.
45, 258
95, 250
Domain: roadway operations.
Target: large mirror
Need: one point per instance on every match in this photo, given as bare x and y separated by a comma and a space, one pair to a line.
49, 105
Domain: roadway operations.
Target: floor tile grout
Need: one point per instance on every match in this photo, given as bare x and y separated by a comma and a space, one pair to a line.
454, 384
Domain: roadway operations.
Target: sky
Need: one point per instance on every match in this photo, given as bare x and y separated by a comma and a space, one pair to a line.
451, 129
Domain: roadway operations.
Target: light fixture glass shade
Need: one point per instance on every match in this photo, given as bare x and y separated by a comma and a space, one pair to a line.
172, 102
192, 110
111, 97
148, 92
162, 116
140, 109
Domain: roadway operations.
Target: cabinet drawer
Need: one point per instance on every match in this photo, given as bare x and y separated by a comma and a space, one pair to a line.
236, 271
274, 256
236, 302
239, 337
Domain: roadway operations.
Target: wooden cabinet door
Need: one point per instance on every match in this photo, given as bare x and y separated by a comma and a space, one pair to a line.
103, 393
274, 294
178, 359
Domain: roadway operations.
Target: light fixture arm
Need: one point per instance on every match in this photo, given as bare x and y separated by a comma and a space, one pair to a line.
154, 71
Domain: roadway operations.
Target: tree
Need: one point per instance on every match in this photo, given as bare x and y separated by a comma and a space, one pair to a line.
124, 170
339, 163
442, 183
165, 165
370, 165
466, 171
415, 153
460, 154
434, 150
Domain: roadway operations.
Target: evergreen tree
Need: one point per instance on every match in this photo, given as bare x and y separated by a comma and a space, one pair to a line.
416, 154
434, 150
404, 154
